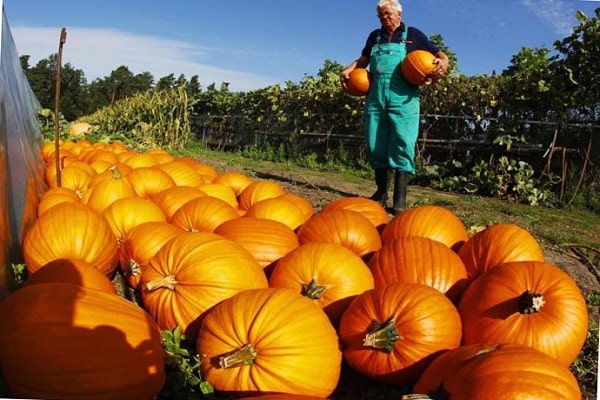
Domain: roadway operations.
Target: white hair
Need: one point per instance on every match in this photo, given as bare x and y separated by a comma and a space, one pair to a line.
394, 4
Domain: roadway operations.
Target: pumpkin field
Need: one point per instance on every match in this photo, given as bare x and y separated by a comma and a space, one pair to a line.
160, 276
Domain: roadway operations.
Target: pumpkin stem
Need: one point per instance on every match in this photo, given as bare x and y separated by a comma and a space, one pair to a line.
415, 396
116, 174
312, 290
530, 303
134, 267
167, 282
245, 355
383, 336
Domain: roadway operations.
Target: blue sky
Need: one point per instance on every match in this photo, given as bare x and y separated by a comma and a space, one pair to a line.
256, 43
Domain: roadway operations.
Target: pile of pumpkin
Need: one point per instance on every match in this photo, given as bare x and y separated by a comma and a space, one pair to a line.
275, 293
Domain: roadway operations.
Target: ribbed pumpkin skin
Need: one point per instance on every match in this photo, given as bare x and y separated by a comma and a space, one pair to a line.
140, 245
491, 312
484, 371
236, 180
371, 209
74, 271
418, 66
107, 189
338, 270
297, 348
425, 320
359, 82
182, 172
420, 260
344, 227
257, 191
203, 214
172, 199
433, 222
265, 239
193, 272
95, 345
279, 209
54, 196
127, 213
71, 230
498, 244
148, 181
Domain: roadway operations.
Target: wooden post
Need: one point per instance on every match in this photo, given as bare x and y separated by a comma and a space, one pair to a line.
63, 39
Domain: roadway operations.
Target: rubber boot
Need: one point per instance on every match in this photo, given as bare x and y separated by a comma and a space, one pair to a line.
382, 180
401, 179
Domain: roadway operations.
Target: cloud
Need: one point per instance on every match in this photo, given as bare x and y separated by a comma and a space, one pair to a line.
559, 14
97, 52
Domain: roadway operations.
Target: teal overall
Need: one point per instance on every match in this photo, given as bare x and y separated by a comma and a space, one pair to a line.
391, 110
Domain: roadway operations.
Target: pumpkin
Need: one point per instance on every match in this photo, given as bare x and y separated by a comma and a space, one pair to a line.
108, 189
79, 128
193, 272
145, 160
344, 227
203, 214
70, 230
269, 340
529, 302
433, 222
497, 371
148, 181
236, 180
358, 83
371, 209
390, 334
420, 260
140, 244
497, 244
74, 271
95, 345
278, 209
220, 191
172, 199
417, 67
182, 172
54, 196
126, 213
302, 203
265, 239
74, 177
257, 191
281, 396
329, 274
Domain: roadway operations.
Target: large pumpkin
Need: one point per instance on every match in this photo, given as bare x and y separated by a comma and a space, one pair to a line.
54, 196
417, 67
106, 190
148, 181
257, 191
433, 222
127, 213
329, 274
497, 244
172, 199
390, 334
420, 260
265, 239
269, 340
359, 82
193, 272
497, 371
71, 230
371, 209
344, 227
237, 181
280, 209
529, 302
62, 341
203, 214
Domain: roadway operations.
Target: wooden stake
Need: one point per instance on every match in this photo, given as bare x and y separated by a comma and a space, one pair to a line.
63, 39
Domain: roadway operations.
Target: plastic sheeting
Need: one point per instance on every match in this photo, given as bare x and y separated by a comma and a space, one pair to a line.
21, 166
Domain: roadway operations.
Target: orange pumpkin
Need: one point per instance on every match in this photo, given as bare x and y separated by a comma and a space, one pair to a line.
279, 209
417, 67
371, 209
54, 196
95, 345
203, 214
237, 181
529, 302
172, 199
420, 260
257, 191
265, 239
390, 334
302, 203
105, 191
433, 222
126, 213
497, 244
148, 181
140, 244
497, 371
74, 271
269, 340
70, 230
182, 172
344, 227
358, 83
220, 191
193, 272
329, 274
